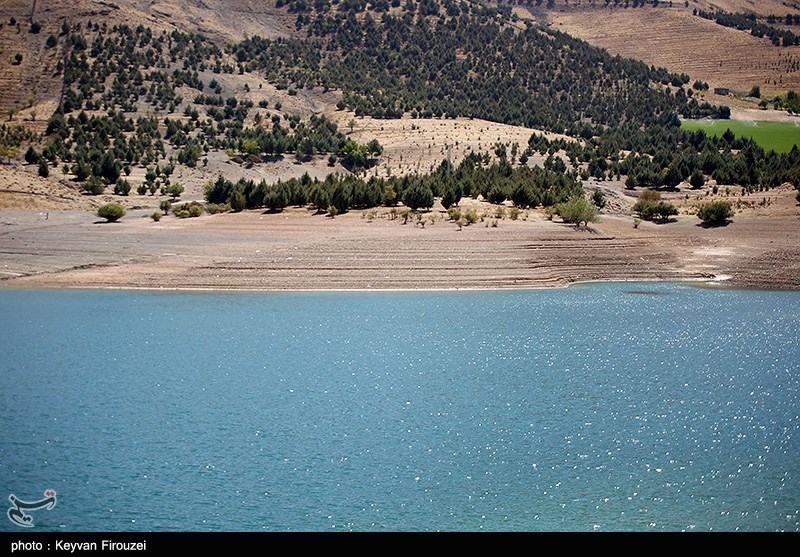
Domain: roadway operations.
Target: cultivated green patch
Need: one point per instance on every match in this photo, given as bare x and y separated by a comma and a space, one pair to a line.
778, 136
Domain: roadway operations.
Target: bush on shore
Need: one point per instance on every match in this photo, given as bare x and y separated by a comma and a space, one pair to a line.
716, 213
111, 211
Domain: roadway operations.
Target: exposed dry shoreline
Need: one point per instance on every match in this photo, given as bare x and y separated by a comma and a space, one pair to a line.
50, 238
297, 250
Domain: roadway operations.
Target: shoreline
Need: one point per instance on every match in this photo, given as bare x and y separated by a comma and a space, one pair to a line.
297, 251
720, 283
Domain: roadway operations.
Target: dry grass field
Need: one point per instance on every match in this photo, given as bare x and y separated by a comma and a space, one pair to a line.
684, 43
227, 20
418, 146
761, 7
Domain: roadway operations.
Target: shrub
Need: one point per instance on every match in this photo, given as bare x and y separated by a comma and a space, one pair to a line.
471, 216
496, 195
174, 190
716, 212
697, 180
31, 156
187, 210
196, 209
94, 186
454, 213
418, 196
665, 210
389, 196
156, 216
449, 197
276, 198
82, 171
342, 196
237, 201
218, 191
122, 187
214, 208
320, 197
44, 169
165, 206
649, 206
650, 196
598, 199
576, 211
661, 210
513, 213
111, 211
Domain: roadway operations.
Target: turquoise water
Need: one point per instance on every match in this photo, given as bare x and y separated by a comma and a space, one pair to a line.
598, 407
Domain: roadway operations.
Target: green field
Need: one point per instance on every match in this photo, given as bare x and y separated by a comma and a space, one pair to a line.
779, 136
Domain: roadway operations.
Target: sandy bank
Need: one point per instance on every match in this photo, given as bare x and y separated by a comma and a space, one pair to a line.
297, 250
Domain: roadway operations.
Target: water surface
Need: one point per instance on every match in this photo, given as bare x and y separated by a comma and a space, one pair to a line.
599, 407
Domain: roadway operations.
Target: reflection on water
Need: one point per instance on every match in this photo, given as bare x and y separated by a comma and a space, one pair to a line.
574, 409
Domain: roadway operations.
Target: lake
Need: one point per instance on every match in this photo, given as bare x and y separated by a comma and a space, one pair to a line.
613, 406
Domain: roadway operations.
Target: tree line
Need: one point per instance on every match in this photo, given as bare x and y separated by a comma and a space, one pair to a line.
526, 187
749, 22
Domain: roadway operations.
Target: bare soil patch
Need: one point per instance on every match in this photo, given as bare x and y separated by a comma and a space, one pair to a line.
684, 43
20, 189
420, 145
297, 250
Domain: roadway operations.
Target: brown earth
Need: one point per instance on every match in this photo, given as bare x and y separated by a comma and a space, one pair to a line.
681, 42
297, 250
227, 20
761, 7
20, 189
29, 91
33, 87
420, 145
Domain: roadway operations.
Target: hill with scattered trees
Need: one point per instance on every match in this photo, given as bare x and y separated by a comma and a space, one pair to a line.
155, 99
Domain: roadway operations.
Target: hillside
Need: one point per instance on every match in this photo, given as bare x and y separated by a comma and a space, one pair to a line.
34, 85
225, 20
672, 36
438, 83
337, 135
